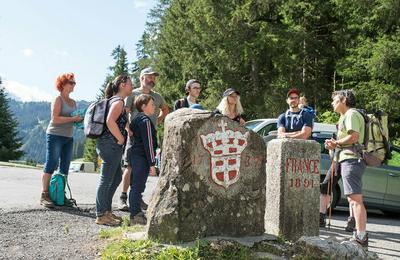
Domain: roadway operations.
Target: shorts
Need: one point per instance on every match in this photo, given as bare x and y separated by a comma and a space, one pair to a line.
125, 156
324, 186
352, 171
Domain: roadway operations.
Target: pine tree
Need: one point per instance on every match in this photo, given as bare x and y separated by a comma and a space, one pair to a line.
120, 68
10, 144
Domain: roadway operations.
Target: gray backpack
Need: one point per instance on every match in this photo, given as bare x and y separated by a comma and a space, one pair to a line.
95, 118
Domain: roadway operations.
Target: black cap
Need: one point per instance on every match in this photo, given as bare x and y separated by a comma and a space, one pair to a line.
230, 91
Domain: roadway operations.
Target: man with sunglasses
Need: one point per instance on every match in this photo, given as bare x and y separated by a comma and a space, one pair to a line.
148, 79
192, 90
295, 122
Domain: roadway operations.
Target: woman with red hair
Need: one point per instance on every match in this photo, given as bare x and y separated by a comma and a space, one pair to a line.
59, 141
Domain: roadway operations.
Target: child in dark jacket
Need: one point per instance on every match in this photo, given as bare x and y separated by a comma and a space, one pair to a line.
142, 155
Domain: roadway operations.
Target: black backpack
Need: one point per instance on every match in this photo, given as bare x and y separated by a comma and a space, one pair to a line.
95, 118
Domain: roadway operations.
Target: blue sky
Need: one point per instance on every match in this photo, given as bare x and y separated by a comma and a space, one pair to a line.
40, 39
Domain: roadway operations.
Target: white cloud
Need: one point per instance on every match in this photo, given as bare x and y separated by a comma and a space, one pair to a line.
141, 4
61, 53
27, 52
26, 93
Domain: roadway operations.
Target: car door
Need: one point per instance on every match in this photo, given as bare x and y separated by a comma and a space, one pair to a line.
392, 196
267, 128
374, 181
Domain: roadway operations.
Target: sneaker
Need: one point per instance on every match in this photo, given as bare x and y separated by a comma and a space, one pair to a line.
361, 242
322, 220
113, 216
45, 200
351, 224
107, 220
143, 205
138, 219
123, 206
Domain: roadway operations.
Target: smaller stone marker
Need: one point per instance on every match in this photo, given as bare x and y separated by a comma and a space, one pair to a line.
212, 180
292, 189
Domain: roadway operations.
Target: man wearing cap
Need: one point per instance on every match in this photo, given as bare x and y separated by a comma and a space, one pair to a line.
295, 122
192, 90
147, 83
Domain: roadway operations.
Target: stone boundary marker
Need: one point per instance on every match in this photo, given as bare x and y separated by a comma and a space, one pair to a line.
292, 189
212, 180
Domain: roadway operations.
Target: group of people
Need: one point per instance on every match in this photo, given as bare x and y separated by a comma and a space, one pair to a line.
131, 138
348, 164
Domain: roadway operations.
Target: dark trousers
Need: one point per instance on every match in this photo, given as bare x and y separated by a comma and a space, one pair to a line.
139, 174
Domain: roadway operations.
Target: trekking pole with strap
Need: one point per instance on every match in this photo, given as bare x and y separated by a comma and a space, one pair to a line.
330, 190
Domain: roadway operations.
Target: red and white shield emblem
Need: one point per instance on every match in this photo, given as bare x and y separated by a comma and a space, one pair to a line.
225, 148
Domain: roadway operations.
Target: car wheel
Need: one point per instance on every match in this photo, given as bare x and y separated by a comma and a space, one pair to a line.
391, 213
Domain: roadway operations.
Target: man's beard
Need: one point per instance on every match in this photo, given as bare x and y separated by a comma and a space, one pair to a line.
149, 84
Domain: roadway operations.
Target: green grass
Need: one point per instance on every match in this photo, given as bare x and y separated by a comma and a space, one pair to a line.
121, 248
147, 249
18, 165
395, 161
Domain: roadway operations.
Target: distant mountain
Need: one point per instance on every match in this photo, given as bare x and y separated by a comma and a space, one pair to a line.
33, 119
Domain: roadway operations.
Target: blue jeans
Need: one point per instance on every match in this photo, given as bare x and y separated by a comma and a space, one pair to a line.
58, 150
110, 174
139, 174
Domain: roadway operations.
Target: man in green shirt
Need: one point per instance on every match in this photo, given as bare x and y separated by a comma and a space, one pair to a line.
147, 83
349, 162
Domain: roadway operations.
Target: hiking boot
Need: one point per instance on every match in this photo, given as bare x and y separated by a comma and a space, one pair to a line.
322, 220
123, 206
107, 220
113, 216
138, 219
361, 242
351, 224
143, 205
45, 200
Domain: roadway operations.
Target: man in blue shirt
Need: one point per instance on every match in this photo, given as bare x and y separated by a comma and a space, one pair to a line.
295, 122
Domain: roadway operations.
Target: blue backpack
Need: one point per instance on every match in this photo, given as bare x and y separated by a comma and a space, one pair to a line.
58, 182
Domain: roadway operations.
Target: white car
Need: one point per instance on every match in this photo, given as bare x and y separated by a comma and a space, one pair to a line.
77, 166
264, 126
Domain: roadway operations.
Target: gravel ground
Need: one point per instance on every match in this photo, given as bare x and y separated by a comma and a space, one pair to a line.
62, 233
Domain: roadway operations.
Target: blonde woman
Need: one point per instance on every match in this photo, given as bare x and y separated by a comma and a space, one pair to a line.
230, 106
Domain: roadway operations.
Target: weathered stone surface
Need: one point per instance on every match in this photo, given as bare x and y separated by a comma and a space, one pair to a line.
192, 198
316, 247
292, 191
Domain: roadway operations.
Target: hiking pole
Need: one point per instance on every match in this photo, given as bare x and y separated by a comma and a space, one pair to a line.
329, 192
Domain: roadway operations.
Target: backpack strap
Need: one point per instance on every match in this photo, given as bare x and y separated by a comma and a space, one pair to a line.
69, 189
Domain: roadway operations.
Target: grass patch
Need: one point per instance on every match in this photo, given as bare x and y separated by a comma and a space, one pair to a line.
395, 161
116, 233
146, 249
18, 165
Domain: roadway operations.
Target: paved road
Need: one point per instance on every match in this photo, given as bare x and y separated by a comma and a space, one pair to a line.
20, 188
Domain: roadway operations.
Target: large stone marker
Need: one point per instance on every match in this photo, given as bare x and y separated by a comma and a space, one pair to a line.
292, 207
212, 180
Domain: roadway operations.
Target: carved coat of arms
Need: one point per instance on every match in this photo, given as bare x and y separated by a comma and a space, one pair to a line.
225, 148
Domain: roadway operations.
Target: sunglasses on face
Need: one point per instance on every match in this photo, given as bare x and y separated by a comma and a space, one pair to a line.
73, 83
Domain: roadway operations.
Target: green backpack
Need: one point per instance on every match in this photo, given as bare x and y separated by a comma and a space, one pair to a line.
58, 182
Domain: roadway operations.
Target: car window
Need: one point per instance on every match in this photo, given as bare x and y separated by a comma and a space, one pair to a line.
268, 128
253, 124
320, 137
